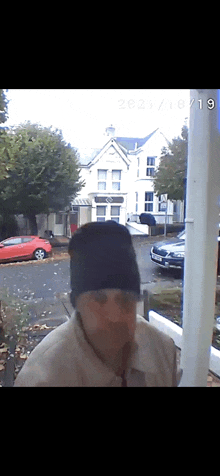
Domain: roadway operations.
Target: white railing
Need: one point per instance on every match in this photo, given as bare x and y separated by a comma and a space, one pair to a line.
175, 332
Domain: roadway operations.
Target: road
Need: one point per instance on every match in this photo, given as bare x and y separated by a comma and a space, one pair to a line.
40, 280
47, 281
149, 272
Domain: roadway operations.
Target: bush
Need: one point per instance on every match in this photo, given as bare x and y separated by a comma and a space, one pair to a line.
159, 229
8, 227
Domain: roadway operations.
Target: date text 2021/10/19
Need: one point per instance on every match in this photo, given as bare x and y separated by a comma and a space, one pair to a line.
148, 104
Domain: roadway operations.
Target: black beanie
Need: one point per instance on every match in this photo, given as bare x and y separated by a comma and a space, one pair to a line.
102, 257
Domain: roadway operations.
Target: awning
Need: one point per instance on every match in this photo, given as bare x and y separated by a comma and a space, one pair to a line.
81, 202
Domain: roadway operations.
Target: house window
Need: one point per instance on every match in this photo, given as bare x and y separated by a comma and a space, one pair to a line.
102, 177
149, 196
115, 213
151, 161
138, 164
115, 185
150, 170
116, 177
101, 185
136, 208
148, 204
59, 219
100, 213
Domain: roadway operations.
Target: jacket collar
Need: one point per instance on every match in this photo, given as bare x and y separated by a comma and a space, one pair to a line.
95, 372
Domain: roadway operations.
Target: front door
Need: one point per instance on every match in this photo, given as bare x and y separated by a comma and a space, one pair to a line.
59, 226
73, 221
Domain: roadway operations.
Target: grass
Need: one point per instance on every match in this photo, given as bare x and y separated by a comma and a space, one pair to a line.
169, 303
14, 314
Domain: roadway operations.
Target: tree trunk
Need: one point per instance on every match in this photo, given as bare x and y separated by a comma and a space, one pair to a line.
33, 224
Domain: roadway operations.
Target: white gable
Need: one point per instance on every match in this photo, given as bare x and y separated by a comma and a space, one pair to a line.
155, 144
110, 154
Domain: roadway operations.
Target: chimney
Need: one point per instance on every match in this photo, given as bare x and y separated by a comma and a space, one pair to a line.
110, 131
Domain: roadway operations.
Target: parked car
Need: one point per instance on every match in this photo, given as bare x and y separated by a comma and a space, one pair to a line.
20, 248
171, 255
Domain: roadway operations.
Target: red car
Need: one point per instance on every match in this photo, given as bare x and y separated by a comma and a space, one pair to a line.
24, 247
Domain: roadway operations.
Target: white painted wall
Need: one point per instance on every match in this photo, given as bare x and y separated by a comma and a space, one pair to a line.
110, 158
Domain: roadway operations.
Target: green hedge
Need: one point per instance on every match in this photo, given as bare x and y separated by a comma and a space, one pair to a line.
159, 229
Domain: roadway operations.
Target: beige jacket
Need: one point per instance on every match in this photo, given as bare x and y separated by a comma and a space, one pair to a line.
64, 358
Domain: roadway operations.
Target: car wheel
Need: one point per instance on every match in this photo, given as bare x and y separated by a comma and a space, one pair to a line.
39, 254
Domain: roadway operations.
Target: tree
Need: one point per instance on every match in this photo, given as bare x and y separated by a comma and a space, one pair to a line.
5, 160
8, 223
171, 174
3, 107
46, 174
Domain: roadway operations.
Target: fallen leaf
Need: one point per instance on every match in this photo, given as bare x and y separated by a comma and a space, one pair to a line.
2, 367
23, 356
3, 350
39, 327
18, 348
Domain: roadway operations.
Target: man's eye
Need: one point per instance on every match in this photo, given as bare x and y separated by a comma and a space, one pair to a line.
123, 299
100, 297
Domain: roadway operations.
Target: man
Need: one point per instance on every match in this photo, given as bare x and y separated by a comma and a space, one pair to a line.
104, 344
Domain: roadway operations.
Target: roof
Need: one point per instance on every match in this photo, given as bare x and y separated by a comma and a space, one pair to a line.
87, 155
125, 144
89, 159
81, 202
130, 142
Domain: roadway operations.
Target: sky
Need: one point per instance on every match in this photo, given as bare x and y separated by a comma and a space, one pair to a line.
84, 114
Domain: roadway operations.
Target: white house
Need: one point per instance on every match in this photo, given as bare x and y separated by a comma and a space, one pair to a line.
106, 174
119, 186
119, 181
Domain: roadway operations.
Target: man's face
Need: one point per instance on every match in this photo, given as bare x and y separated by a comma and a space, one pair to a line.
108, 317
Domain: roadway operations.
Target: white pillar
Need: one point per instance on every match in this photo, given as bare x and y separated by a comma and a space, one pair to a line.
203, 189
